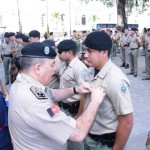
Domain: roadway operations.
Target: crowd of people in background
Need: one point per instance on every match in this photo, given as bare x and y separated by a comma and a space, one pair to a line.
72, 62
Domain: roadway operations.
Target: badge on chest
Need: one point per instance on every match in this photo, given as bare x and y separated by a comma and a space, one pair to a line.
38, 93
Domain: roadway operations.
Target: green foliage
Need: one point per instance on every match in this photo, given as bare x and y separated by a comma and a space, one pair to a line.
140, 5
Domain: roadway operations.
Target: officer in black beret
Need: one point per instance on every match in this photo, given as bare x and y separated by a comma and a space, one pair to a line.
7, 48
114, 117
72, 73
66, 45
33, 112
34, 36
25, 40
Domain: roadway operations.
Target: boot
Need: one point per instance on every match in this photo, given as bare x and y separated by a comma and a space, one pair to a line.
123, 65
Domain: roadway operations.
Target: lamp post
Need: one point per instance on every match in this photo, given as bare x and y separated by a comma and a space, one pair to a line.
47, 16
19, 19
70, 17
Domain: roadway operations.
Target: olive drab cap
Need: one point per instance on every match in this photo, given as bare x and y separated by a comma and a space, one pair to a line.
38, 50
98, 40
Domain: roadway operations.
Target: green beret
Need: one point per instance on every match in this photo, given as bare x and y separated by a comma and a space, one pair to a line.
38, 50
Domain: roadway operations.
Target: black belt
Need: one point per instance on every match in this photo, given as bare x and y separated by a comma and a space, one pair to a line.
71, 107
148, 50
133, 48
7, 55
108, 138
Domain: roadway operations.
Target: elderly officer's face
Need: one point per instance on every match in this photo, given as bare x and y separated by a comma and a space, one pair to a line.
95, 58
47, 71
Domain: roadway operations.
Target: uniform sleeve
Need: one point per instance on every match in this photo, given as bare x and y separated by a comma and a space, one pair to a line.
119, 95
81, 75
57, 126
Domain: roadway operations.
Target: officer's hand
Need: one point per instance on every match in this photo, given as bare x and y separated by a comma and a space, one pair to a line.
84, 88
1, 60
98, 94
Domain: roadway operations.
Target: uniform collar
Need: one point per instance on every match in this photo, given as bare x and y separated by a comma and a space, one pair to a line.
102, 73
33, 81
73, 61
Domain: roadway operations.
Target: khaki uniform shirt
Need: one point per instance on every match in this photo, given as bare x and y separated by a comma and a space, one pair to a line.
147, 41
134, 41
125, 39
30, 124
5, 48
72, 75
117, 100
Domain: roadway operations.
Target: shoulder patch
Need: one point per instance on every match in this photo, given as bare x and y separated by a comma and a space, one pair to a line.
123, 88
53, 110
83, 74
38, 93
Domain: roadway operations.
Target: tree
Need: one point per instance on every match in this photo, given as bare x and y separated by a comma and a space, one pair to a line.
93, 19
56, 16
125, 7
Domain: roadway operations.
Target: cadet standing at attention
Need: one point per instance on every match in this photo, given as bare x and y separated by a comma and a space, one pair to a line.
133, 53
114, 120
72, 73
35, 122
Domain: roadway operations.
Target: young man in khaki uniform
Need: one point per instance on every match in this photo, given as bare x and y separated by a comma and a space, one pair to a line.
147, 47
72, 73
7, 50
114, 120
125, 39
133, 53
35, 122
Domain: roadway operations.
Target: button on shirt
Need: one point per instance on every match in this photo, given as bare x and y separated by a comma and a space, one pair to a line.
117, 100
31, 126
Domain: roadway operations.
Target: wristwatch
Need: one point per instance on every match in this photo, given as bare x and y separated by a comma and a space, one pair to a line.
74, 90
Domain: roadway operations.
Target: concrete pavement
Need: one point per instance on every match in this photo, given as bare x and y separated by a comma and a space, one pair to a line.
140, 93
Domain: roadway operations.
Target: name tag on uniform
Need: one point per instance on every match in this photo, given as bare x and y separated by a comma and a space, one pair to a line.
38, 93
53, 110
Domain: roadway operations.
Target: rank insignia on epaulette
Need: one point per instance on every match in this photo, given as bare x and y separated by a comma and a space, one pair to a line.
38, 93
53, 110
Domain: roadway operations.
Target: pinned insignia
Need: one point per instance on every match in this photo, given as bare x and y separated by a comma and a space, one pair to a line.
123, 88
53, 110
83, 74
38, 93
46, 50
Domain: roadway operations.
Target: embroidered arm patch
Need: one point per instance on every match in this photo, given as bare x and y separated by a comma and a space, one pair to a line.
38, 93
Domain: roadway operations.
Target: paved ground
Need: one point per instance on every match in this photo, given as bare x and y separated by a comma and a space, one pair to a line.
140, 92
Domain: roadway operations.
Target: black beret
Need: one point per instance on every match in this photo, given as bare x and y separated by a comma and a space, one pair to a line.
49, 42
6, 35
34, 33
19, 36
25, 38
38, 50
133, 29
11, 34
66, 45
148, 29
98, 40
